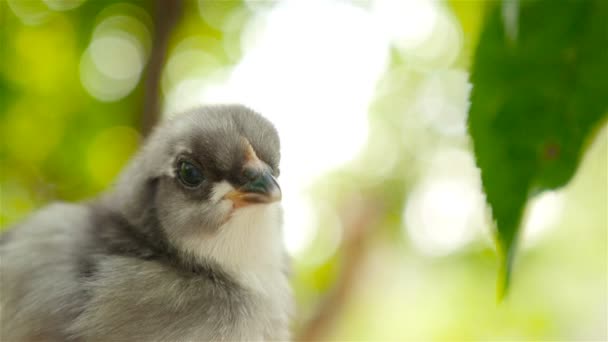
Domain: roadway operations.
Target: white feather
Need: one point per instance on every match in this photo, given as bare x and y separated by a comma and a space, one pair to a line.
248, 246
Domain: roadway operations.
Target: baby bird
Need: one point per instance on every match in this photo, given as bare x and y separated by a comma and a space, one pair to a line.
186, 246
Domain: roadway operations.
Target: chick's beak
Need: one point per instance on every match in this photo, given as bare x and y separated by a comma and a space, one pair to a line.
262, 189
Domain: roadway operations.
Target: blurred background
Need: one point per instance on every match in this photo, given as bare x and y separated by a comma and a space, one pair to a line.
385, 217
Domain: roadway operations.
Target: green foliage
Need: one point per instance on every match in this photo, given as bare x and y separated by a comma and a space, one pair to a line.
540, 87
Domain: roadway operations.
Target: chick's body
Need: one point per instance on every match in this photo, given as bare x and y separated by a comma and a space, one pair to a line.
187, 246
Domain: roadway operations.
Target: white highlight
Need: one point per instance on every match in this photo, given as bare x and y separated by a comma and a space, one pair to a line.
307, 89
327, 239
63, 5
443, 46
407, 23
443, 101
446, 210
300, 222
29, 12
106, 48
188, 72
318, 80
314, 79
439, 216
111, 66
543, 213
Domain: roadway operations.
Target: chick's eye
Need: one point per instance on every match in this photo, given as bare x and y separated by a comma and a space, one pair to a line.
189, 174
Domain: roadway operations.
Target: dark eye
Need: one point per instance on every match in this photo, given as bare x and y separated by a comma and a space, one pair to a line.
189, 174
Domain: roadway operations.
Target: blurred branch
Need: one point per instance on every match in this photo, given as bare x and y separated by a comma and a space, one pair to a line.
166, 16
357, 230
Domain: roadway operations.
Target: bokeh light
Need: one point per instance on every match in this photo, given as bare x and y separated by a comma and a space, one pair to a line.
63, 5
31, 12
315, 230
445, 211
189, 71
443, 101
216, 13
544, 212
407, 24
322, 114
111, 66
300, 216
102, 50
440, 215
444, 45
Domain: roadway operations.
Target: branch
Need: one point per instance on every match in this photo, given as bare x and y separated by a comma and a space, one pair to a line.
167, 15
355, 247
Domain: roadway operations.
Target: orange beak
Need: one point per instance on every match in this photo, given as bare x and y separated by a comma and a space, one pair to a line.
262, 190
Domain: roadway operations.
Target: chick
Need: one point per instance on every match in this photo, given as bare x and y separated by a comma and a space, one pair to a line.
186, 246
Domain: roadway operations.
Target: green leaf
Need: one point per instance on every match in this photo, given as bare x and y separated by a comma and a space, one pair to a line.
537, 96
